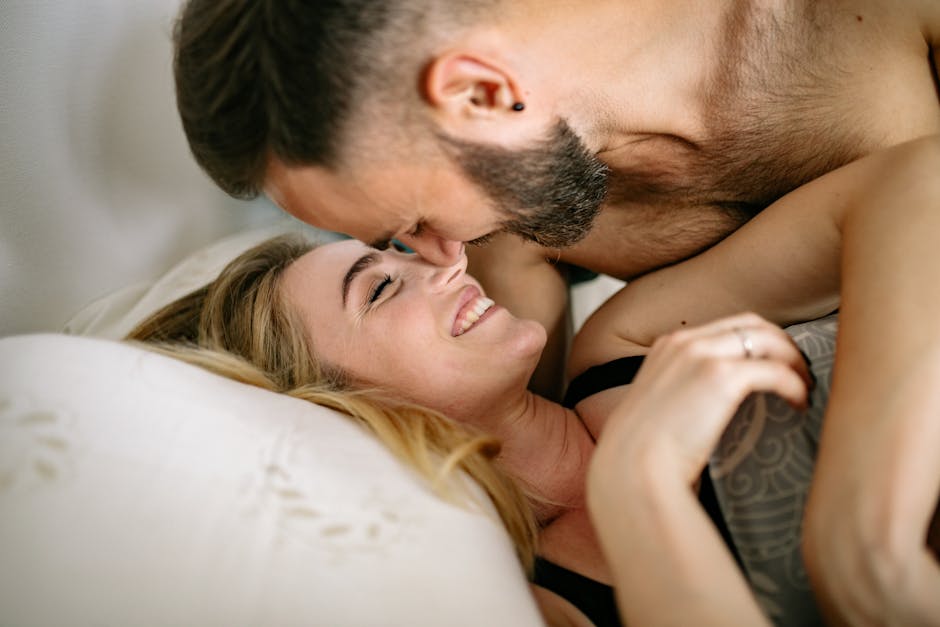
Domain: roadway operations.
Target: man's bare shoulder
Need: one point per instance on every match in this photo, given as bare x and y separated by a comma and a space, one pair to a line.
863, 68
913, 17
926, 13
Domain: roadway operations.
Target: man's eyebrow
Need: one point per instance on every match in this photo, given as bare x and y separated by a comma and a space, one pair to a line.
360, 264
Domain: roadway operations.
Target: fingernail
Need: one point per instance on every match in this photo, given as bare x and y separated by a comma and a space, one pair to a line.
805, 356
809, 368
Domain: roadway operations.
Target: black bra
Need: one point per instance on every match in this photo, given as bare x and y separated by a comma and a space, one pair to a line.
622, 372
595, 599
603, 377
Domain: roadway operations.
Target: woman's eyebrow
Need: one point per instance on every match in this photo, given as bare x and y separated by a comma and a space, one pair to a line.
360, 264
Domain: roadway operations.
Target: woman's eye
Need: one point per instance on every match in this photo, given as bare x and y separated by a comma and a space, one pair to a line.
380, 288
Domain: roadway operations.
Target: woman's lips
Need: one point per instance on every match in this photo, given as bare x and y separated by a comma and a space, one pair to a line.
473, 308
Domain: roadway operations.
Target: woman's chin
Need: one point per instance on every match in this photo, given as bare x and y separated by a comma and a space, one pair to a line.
512, 338
530, 339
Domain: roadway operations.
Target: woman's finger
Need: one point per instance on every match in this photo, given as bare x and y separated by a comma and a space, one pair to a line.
763, 375
738, 337
683, 410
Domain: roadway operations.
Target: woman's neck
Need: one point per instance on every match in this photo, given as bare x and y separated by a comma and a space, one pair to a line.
550, 451
547, 447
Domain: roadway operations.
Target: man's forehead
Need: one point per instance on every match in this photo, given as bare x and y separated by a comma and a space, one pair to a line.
328, 201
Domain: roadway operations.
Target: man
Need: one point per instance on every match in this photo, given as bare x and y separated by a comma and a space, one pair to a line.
665, 125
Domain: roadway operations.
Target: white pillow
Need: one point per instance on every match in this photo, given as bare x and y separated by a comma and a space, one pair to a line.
116, 314
139, 490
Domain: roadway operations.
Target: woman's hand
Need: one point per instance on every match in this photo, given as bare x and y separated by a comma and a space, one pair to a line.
690, 386
670, 566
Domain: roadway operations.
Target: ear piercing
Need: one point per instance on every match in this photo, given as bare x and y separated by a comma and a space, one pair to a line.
518, 106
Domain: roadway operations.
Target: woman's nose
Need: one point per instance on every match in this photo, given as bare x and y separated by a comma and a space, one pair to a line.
436, 250
440, 277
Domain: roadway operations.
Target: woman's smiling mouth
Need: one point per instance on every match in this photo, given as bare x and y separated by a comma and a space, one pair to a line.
470, 314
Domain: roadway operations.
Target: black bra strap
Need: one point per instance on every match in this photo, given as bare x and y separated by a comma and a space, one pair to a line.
603, 377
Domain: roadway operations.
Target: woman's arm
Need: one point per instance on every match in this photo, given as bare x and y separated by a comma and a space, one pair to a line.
670, 565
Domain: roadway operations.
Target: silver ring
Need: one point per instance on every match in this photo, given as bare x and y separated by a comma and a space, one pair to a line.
746, 343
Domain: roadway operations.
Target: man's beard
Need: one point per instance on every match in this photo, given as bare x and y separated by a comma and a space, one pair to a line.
550, 193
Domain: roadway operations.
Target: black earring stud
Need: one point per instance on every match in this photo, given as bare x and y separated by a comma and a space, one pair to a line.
518, 106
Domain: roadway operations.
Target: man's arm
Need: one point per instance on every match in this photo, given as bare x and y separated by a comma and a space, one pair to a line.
878, 471
783, 265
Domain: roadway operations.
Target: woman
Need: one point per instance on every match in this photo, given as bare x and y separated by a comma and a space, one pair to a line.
344, 317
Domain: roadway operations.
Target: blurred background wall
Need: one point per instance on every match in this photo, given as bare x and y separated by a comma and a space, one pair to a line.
97, 186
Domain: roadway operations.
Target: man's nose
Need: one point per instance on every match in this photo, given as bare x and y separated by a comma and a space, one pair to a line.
435, 249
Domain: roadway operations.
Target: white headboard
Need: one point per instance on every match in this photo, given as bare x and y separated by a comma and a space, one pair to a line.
97, 186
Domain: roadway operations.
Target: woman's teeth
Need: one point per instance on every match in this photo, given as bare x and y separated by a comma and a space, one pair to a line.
473, 313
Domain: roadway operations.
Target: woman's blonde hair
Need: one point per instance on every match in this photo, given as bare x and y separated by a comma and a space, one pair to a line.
239, 326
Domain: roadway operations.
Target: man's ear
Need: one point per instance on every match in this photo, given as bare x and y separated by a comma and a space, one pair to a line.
464, 87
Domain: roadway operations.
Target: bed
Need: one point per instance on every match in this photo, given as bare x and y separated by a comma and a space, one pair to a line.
138, 490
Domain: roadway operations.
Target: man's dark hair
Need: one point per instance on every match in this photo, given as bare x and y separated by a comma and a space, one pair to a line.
256, 78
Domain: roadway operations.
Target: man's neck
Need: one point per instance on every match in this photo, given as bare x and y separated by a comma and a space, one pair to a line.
623, 72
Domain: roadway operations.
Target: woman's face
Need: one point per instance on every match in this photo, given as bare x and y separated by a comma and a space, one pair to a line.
425, 332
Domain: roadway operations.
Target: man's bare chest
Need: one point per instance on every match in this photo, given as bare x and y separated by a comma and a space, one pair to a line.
796, 97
